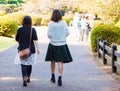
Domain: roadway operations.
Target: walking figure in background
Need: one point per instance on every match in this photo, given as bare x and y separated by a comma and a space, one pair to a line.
85, 28
24, 40
57, 51
75, 24
81, 35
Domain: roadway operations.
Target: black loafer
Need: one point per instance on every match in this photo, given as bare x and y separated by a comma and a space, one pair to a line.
53, 80
24, 83
59, 82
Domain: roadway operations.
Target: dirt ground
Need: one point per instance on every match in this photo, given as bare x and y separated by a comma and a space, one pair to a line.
115, 77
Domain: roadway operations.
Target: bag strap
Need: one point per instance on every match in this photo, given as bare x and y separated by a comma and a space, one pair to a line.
30, 37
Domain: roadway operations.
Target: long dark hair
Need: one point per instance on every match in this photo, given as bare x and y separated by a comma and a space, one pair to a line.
27, 21
56, 15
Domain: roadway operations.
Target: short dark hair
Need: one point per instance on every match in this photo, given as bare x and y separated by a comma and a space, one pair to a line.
56, 15
27, 21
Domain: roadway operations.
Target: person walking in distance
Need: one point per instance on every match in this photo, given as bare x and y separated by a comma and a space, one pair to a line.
85, 28
58, 51
25, 41
80, 28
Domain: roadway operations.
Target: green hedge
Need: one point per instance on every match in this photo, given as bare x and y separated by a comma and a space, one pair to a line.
67, 19
110, 33
18, 17
118, 24
36, 20
2, 13
95, 23
8, 27
45, 20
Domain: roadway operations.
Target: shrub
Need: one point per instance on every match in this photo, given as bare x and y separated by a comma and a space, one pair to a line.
36, 20
67, 19
110, 33
17, 17
8, 27
118, 24
2, 13
45, 20
95, 23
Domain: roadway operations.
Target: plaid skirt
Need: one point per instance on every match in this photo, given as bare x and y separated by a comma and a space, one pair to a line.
58, 54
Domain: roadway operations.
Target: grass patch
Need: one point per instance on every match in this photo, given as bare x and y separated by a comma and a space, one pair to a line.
6, 42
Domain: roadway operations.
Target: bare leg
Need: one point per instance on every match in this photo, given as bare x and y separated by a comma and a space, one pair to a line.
60, 68
60, 71
52, 71
52, 67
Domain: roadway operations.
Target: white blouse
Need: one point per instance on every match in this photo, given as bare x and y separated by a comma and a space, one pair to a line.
57, 32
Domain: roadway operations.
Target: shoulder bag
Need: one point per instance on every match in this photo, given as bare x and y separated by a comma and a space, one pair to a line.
25, 53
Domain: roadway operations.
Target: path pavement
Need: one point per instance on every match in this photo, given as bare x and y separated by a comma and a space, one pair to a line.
80, 75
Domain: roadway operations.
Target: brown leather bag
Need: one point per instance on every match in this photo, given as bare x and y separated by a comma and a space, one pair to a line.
25, 53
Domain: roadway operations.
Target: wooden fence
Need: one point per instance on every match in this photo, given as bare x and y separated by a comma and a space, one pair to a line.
108, 54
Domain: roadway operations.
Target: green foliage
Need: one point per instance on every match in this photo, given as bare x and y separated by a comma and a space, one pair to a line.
10, 8
3, 1
8, 27
76, 9
110, 33
12, 1
17, 17
67, 19
11, 5
36, 20
2, 13
45, 20
15, 1
109, 10
96, 23
118, 24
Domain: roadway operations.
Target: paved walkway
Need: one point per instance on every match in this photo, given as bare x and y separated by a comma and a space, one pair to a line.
80, 75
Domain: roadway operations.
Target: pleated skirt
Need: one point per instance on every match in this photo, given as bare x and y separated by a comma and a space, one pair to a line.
58, 54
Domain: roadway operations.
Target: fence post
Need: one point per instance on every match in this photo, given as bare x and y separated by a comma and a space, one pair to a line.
114, 58
98, 47
104, 52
